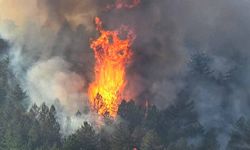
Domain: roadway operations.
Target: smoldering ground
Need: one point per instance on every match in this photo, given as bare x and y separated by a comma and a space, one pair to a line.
171, 36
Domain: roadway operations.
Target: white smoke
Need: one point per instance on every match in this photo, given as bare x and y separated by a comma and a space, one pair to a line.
52, 80
54, 83
39, 54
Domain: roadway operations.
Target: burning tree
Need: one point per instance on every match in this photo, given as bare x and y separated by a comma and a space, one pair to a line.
112, 54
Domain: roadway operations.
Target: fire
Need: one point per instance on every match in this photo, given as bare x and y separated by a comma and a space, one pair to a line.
112, 54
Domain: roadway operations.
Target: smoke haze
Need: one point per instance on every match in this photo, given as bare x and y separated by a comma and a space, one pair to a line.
51, 57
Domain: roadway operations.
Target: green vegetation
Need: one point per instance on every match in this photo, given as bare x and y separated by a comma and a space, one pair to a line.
143, 128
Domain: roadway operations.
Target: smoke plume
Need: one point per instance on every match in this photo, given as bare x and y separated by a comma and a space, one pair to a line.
51, 57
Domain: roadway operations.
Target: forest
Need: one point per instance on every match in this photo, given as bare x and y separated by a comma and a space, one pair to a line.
176, 127
124, 75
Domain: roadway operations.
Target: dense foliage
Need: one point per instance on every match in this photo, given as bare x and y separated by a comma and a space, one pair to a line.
139, 127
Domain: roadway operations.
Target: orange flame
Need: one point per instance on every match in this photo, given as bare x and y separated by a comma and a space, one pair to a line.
112, 54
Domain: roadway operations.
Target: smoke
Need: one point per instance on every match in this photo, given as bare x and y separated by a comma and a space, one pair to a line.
75, 12
50, 52
52, 80
170, 34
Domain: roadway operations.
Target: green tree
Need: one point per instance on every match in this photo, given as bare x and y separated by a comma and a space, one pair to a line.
180, 144
200, 64
131, 113
121, 138
4, 73
11, 140
44, 132
3, 45
105, 138
178, 121
34, 136
209, 141
151, 117
85, 138
151, 141
240, 136
50, 128
34, 112
16, 94
137, 136
16, 126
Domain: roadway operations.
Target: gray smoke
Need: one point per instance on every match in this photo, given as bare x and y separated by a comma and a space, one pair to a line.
172, 36
52, 47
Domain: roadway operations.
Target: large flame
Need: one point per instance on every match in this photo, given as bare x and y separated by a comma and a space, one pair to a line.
112, 54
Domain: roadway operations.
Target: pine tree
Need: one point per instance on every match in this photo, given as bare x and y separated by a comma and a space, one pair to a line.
34, 135
16, 94
180, 144
132, 113
4, 72
54, 127
105, 138
10, 141
137, 136
50, 128
16, 126
85, 138
179, 120
151, 118
209, 141
240, 136
34, 112
151, 141
199, 64
121, 138
3, 46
